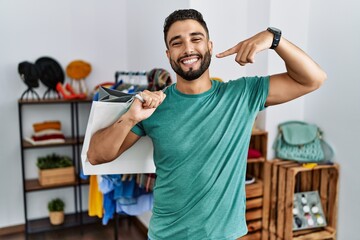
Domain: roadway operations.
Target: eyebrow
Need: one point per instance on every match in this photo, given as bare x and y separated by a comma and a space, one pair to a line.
191, 34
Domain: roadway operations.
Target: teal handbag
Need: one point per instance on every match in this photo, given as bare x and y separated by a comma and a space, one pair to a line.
302, 142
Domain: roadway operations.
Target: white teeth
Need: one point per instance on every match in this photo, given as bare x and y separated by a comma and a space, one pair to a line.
190, 61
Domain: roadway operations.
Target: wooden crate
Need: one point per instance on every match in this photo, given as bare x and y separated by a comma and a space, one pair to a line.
282, 180
57, 176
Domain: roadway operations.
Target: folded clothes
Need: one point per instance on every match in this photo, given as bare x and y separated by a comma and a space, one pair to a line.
48, 137
253, 153
47, 125
47, 132
44, 142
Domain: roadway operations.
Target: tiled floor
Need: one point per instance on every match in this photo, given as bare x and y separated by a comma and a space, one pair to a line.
127, 231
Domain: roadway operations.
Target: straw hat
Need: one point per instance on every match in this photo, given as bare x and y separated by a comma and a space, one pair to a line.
78, 69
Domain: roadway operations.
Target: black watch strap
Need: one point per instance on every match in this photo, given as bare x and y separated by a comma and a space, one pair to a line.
277, 36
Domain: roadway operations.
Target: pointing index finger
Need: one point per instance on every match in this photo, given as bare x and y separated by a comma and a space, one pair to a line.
228, 52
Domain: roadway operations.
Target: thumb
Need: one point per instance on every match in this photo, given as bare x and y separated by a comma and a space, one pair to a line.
228, 52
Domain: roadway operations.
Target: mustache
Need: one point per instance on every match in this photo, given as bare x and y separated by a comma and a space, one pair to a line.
189, 55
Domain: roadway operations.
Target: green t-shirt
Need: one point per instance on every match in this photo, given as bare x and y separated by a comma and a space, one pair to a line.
200, 149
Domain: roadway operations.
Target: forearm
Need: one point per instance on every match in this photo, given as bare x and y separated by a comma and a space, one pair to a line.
106, 143
300, 67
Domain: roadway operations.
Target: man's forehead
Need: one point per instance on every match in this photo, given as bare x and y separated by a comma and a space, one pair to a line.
185, 27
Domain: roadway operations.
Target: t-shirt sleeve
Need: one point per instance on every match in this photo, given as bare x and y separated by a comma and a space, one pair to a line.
139, 130
258, 88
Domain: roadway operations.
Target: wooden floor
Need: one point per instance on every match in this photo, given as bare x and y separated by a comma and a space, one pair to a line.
128, 230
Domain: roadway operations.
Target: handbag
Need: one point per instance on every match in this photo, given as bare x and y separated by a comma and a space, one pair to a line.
302, 142
111, 105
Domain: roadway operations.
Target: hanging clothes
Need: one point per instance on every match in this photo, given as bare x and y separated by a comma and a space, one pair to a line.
95, 203
122, 194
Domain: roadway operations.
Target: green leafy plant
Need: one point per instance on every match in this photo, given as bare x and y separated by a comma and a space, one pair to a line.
53, 161
56, 205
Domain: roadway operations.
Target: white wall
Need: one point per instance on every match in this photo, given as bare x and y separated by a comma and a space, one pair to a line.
66, 30
334, 40
146, 46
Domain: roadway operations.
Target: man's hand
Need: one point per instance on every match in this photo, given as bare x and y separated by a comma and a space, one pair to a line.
246, 50
143, 110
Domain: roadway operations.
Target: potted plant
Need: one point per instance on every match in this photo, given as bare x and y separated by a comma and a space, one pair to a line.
55, 169
56, 211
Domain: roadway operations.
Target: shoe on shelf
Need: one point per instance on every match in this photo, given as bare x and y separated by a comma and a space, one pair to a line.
64, 93
72, 91
249, 179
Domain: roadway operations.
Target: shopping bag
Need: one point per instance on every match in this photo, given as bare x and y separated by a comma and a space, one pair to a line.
138, 159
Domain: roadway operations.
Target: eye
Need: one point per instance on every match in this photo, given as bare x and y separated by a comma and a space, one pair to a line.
196, 39
175, 44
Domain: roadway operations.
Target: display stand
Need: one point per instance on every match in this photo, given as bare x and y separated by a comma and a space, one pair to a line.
284, 178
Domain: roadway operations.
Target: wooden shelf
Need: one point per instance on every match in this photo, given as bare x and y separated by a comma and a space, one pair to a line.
254, 203
53, 101
34, 185
71, 220
255, 189
256, 160
322, 234
256, 132
68, 141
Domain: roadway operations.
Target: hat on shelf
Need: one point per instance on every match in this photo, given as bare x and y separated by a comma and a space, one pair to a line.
30, 75
51, 72
78, 69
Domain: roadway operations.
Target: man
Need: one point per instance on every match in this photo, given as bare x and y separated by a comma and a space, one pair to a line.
201, 129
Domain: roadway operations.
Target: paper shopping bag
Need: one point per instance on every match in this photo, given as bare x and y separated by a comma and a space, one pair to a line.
137, 159
112, 95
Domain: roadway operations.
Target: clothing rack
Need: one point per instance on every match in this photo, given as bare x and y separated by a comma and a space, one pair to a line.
153, 80
131, 77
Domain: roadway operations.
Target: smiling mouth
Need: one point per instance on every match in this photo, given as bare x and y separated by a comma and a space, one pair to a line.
189, 60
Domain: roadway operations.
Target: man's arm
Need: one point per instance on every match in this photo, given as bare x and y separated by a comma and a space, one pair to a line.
303, 74
109, 143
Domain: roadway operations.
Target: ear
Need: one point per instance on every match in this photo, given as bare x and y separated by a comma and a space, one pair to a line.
168, 54
210, 46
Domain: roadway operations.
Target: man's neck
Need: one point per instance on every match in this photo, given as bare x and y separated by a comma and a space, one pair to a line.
197, 86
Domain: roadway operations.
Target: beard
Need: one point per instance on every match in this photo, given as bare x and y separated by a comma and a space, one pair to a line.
192, 74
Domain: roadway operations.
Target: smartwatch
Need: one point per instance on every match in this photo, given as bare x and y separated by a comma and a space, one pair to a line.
277, 36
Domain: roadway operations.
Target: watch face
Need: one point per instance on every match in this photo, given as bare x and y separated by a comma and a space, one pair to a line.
275, 30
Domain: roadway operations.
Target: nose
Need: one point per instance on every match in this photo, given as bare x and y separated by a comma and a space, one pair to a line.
188, 47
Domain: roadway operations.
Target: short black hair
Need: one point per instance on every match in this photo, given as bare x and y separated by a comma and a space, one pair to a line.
184, 14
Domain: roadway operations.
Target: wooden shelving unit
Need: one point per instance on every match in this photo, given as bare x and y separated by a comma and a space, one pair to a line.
255, 191
33, 185
71, 220
77, 218
69, 141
